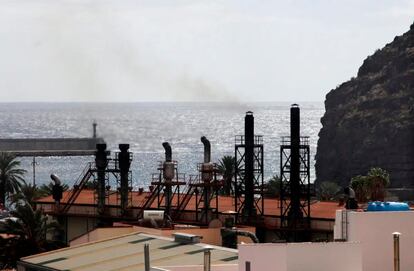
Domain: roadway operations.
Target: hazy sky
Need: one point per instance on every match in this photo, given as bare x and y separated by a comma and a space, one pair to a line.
84, 50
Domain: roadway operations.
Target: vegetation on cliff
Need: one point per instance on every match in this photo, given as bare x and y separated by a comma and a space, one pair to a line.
369, 120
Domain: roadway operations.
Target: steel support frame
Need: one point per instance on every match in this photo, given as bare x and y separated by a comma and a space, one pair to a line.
239, 180
288, 228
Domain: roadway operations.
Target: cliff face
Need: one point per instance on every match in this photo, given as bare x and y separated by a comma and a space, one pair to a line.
369, 120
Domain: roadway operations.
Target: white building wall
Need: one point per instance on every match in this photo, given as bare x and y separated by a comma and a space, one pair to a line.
339, 256
374, 231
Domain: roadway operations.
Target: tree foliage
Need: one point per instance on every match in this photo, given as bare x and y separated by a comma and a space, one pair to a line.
273, 187
27, 233
28, 194
328, 190
46, 189
11, 175
371, 186
226, 168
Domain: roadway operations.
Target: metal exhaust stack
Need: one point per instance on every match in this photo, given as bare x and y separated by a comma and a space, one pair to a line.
207, 149
124, 160
396, 251
206, 174
207, 259
249, 209
101, 162
168, 152
57, 190
295, 213
147, 257
168, 173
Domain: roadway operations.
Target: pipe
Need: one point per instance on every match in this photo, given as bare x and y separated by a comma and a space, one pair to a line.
55, 179
249, 209
295, 213
124, 162
101, 162
396, 251
207, 149
248, 234
168, 152
207, 259
147, 257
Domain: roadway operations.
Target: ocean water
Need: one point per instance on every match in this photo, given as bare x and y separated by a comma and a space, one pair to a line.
146, 125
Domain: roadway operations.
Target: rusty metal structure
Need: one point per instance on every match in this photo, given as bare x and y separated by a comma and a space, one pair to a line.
295, 182
196, 200
205, 188
249, 188
165, 186
103, 175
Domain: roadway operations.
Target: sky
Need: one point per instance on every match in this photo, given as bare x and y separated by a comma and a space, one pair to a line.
189, 50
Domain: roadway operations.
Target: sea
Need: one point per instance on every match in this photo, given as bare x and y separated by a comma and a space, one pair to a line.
146, 125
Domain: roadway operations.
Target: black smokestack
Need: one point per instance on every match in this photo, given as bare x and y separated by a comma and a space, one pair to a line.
207, 149
295, 211
101, 162
168, 152
124, 165
249, 164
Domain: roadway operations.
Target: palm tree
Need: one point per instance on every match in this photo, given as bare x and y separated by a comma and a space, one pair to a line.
28, 231
328, 190
47, 189
28, 194
273, 187
372, 186
227, 168
360, 184
11, 175
379, 180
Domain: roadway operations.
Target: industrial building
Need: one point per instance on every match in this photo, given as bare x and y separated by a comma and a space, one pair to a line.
196, 199
269, 233
365, 241
127, 253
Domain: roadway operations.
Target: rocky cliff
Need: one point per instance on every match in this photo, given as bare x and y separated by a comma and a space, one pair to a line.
369, 120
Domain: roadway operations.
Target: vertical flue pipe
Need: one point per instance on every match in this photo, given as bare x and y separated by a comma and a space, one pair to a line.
249, 210
396, 251
147, 257
207, 149
207, 259
124, 162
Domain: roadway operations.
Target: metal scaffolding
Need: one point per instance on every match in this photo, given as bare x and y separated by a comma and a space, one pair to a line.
295, 183
249, 188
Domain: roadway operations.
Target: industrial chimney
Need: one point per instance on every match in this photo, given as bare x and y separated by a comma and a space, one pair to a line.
101, 162
295, 213
124, 160
168, 173
249, 208
207, 169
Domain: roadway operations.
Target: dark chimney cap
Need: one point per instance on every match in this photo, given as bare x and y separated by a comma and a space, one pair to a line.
101, 146
123, 147
295, 106
249, 113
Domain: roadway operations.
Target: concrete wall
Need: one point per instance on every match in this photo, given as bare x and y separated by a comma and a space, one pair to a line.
301, 256
77, 226
374, 231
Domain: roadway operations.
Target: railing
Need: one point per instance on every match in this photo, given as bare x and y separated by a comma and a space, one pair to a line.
77, 187
240, 140
304, 140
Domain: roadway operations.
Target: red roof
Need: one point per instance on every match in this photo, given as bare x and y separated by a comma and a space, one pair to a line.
319, 209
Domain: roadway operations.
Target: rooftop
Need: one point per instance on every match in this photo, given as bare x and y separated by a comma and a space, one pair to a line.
127, 253
319, 209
